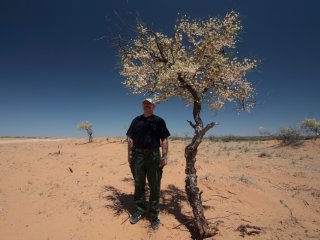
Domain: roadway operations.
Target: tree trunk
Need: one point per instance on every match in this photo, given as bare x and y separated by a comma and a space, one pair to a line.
193, 192
89, 131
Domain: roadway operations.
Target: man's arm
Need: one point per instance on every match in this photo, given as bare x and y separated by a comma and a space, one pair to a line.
165, 149
130, 148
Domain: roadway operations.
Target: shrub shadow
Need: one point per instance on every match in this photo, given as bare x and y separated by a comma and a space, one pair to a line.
118, 201
294, 145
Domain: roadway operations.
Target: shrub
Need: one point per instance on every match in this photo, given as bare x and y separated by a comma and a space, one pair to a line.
289, 136
264, 154
311, 126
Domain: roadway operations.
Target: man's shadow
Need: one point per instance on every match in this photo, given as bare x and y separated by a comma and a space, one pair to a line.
172, 199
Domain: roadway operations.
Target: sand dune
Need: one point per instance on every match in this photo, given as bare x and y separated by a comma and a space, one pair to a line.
68, 189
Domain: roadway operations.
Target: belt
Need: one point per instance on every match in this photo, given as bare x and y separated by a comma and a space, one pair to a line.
146, 150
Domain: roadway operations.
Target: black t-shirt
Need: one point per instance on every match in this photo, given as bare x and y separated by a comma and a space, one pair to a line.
146, 132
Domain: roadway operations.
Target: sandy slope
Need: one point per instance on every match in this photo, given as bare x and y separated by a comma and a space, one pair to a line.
85, 191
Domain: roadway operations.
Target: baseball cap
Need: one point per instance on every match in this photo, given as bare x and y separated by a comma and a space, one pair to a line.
150, 100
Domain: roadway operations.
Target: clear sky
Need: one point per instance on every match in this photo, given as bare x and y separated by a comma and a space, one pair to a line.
58, 65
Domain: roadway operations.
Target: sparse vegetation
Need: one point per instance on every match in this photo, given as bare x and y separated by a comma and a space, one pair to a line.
245, 179
238, 181
263, 131
233, 138
289, 136
284, 155
306, 156
264, 155
87, 126
311, 126
244, 149
177, 137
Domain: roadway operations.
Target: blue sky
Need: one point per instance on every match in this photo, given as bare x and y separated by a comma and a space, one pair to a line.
58, 65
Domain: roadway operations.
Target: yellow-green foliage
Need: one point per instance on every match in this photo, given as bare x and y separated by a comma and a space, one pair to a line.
311, 125
289, 136
85, 125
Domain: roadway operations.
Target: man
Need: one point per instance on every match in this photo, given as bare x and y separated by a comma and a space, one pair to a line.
144, 136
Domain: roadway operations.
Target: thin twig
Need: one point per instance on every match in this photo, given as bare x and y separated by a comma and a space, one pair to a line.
127, 217
125, 220
221, 196
231, 192
183, 223
223, 216
243, 229
293, 219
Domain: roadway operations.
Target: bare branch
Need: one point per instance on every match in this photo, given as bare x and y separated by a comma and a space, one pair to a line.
164, 59
208, 127
191, 124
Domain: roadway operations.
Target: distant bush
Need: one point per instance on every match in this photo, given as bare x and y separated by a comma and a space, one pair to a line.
289, 136
264, 132
232, 138
87, 126
177, 137
311, 126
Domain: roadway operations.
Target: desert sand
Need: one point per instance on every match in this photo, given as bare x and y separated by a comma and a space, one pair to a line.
69, 189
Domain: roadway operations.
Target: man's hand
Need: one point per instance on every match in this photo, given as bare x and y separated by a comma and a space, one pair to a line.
163, 161
130, 146
165, 148
129, 158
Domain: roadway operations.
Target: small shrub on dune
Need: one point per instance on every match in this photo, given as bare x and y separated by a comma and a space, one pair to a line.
289, 136
311, 126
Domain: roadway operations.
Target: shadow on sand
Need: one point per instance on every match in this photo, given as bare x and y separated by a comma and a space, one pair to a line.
171, 202
118, 201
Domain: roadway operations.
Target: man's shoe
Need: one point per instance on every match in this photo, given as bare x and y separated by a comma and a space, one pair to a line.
155, 222
134, 218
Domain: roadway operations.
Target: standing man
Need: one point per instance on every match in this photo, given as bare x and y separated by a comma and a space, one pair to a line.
144, 136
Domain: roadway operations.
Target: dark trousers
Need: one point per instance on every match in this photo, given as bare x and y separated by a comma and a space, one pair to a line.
146, 165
